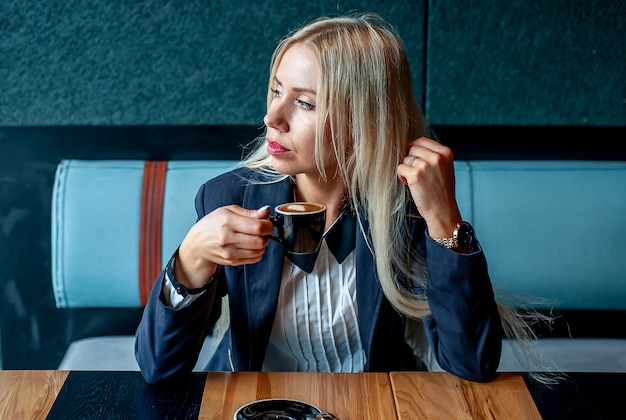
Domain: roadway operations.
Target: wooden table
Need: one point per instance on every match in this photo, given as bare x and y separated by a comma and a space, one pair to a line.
347, 396
29, 394
431, 395
32, 394
399, 395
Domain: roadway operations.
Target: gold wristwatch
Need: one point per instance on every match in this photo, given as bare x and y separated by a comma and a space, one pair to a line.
462, 238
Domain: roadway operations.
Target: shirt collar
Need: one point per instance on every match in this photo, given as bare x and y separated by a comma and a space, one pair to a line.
340, 239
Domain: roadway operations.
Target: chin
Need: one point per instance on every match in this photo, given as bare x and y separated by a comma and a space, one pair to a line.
284, 168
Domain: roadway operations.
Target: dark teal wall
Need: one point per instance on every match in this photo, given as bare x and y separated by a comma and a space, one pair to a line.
157, 62
123, 62
527, 62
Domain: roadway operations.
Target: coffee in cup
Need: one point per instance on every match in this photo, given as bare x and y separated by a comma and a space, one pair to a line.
300, 226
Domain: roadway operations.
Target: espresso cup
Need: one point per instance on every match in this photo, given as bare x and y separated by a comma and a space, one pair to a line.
300, 226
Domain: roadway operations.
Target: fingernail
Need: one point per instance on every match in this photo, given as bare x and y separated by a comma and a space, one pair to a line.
262, 209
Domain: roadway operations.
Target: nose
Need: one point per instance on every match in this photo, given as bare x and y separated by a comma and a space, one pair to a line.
276, 117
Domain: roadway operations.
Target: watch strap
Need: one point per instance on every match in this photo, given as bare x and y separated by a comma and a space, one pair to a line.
450, 243
462, 238
181, 289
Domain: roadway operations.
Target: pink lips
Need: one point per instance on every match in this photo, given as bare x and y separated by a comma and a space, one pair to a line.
274, 148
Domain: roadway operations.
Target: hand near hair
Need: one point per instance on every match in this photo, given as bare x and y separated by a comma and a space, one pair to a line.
428, 171
229, 235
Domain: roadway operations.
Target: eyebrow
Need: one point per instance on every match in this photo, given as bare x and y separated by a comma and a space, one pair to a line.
297, 89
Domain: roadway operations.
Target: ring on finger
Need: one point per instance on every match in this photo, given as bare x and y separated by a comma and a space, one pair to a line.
411, 160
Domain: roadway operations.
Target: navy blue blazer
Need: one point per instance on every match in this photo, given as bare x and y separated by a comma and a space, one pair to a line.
464, 330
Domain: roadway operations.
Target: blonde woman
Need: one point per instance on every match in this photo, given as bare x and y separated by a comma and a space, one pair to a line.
400, 277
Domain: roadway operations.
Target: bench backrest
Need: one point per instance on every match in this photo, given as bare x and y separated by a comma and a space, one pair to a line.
550, 229
114, 222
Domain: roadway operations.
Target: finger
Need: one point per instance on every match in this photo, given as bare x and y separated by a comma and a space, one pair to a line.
231, 248
233, 219
409, 160
260, 213
429, 149
236, 253
239, 257
414, 169
264, 211
427, 143
249, 242
404, 171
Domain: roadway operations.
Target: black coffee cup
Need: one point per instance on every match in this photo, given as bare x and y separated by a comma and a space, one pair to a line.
300, 226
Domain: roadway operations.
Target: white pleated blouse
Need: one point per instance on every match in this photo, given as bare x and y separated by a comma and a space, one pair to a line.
316, 328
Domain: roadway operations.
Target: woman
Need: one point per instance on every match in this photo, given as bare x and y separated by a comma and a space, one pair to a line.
343, 129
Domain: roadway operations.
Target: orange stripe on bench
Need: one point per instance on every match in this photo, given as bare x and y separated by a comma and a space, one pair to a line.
151, 218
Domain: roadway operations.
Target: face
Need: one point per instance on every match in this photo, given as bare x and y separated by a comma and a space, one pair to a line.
290, 119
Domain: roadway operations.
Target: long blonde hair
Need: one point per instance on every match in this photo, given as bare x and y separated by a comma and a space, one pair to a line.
366, 112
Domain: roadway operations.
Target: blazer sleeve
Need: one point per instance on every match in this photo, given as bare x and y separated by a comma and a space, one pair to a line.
464, 330
168, 341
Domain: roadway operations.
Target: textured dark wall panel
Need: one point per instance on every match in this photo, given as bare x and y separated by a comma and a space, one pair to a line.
154, 61
527, 62
205, 62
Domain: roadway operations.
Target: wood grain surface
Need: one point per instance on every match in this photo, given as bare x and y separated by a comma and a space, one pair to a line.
49, 394
438, 395
346, 395
28, 395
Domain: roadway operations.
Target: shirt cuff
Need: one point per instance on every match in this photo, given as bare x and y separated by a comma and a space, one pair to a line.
173, 298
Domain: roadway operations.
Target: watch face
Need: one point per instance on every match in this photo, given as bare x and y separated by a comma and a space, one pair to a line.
465, 234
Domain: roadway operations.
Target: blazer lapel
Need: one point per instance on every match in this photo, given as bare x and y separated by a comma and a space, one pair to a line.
369, 293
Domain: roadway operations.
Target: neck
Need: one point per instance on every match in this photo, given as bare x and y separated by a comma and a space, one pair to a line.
331, 194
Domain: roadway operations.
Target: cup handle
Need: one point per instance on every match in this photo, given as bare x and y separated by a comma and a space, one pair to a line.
274, 221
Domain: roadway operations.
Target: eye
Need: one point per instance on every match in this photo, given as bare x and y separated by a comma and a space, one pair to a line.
305, 105
276, 93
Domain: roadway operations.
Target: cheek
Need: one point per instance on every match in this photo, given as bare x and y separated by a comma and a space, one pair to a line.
306, 137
